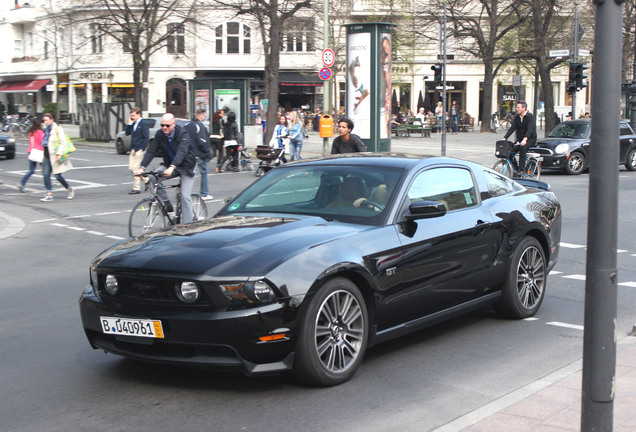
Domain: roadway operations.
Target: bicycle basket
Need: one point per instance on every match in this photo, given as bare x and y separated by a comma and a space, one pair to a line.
503, 148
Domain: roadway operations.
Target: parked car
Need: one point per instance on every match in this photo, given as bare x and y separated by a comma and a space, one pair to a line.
318, 260
7, 146
122, 141
568, 146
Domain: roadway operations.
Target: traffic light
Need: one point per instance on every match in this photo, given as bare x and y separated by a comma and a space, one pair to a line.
437, 72
576, 77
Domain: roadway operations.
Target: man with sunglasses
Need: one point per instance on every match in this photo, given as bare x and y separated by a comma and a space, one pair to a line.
178, 160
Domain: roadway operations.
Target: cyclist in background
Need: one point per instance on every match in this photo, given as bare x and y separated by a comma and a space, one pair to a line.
525, 125
178, 160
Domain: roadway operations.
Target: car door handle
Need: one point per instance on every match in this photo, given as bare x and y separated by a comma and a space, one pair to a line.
480, 227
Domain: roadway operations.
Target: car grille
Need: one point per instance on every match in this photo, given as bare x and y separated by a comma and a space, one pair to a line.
148, 291
542, 151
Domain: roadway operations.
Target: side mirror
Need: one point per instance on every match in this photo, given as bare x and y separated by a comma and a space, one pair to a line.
425, 210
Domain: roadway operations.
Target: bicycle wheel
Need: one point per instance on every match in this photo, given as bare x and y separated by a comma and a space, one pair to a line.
504, 167
147, 216
505, 124
533, 169
199, 209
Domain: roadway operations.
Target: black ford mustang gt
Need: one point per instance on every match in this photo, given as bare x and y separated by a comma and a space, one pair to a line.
319, 260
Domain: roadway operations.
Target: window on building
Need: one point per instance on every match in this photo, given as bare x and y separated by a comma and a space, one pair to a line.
126, 44
298, 36
96, 39
233, 38
176, 40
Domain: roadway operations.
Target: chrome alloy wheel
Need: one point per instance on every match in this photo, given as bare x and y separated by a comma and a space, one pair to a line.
339, 331
531, 277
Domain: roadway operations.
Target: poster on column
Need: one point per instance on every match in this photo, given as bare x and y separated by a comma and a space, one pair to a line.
359, 83
385, 85
229, 100
202, 101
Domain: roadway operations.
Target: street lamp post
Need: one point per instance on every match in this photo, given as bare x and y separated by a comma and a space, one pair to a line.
632, 89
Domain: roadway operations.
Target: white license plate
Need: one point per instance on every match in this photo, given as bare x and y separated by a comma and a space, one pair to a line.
1, 148
132, 327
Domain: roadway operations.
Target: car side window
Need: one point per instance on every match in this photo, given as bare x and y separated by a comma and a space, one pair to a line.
454, 187
498, 185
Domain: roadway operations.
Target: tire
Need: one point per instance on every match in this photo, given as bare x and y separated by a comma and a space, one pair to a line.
11, 156
119, 145
199, 209
524, 288
575, 164
533, 169
247, 165
503, 167
333, 335
259, 172
146, 217
630, 160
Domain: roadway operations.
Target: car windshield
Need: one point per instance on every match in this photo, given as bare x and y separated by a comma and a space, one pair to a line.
348, 193
571, 130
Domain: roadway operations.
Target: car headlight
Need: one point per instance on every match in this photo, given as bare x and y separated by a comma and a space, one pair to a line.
249, 292
187, 292
562, 149
11, 140
111, 285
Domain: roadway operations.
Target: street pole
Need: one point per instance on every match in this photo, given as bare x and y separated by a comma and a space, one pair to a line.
632, 88
326, 93
575, 52
600, 332
443, 52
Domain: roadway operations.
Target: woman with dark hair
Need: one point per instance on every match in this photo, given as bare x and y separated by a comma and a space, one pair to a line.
231, 139
35, 143
216, 138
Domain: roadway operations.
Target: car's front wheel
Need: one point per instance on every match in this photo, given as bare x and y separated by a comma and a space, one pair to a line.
333, 335
524, 288
630, 161
575, 163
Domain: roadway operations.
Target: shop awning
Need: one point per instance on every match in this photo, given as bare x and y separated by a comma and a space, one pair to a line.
23, 86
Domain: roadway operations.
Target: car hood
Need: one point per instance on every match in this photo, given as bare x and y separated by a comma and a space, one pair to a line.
222, 247
553, 142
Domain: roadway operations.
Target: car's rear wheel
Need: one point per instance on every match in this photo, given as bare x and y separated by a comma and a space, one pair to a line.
121, 149
575, 164
333, 335
524, 288
630, 161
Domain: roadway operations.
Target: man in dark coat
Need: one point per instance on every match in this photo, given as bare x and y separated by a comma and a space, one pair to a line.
139, 134
201, 141
178, 160
525, 125
347, 142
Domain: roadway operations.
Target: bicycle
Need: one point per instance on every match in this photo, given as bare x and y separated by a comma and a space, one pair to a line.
506, 153
151, 214
506, 122
244, 161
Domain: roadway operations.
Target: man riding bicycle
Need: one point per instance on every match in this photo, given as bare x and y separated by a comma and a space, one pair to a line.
178, 160
525, 126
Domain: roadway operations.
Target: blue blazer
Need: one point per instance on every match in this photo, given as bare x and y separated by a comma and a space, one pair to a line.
138, 137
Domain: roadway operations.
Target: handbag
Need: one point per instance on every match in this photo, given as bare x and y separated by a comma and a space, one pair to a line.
36, 155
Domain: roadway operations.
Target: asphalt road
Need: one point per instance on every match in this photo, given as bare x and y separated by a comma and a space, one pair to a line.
52, 380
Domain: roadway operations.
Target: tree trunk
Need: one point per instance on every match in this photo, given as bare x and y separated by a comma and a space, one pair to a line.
272, 65
486, 109
548, 98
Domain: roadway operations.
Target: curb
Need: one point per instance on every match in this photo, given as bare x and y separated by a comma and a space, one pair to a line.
12, 227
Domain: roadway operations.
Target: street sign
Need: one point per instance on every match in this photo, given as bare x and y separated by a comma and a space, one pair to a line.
516, 80
584, 53
328, 57
559, 53
325, 73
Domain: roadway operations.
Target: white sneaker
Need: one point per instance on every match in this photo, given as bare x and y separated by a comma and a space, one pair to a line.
207, 197
71, 193
47, 197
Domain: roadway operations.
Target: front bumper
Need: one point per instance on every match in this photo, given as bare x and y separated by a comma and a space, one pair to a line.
554, 161
216, 340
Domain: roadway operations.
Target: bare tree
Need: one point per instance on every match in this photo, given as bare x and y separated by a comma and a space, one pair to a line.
271, 16
141, 28
479, 28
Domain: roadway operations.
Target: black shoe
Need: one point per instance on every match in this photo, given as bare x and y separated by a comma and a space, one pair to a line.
133, 192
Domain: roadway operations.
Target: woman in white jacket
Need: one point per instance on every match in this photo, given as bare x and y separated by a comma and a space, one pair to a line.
55, 157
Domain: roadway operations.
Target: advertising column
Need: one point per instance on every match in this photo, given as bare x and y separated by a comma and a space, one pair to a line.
369, 83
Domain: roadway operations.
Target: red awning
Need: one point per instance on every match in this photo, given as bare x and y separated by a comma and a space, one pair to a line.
23, 86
